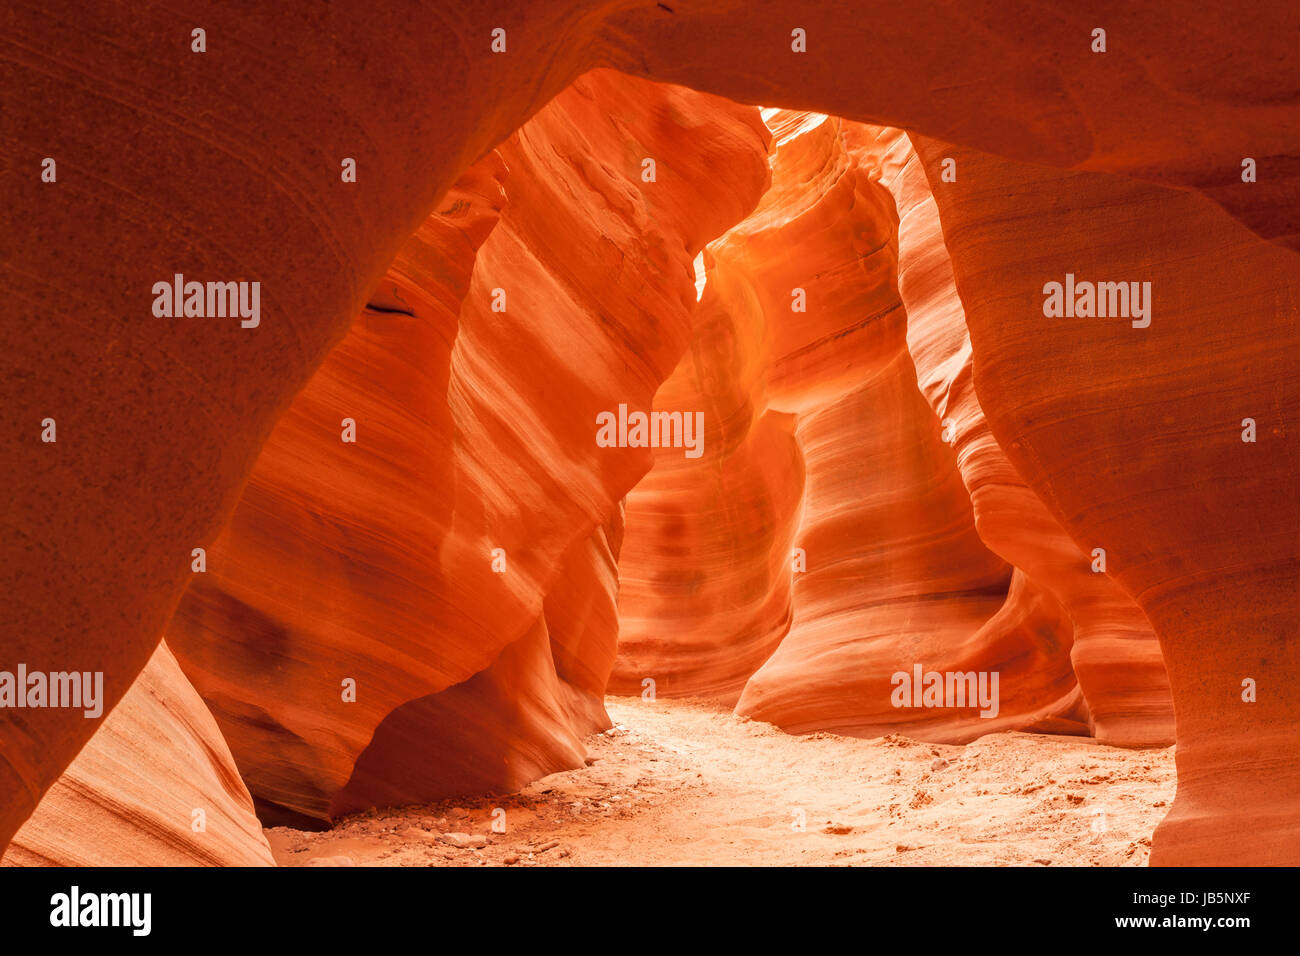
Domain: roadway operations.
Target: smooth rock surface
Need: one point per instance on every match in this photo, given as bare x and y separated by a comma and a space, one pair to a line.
232, 172
155, 786
1115, 654
457, 560
1132, 438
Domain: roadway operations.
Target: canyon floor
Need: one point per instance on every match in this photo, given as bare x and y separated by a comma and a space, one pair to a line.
685, 782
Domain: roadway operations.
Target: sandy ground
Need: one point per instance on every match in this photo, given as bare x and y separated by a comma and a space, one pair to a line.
685, 783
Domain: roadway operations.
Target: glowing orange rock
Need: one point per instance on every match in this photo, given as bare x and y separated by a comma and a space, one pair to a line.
160, 424
822, 439
440, 591
1115, 655
1133, 439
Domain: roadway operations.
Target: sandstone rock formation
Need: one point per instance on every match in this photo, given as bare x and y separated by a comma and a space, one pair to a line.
1115, 652
237, 178
1018, 80
232, 172
156, 786
1199, 526
437, 560
1115, 655
800, 357
704, 574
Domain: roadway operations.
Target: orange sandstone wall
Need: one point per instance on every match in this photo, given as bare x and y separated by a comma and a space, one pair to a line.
704, 575
156, 786
1114, 652
1017, 79
328, 570
1133, 439
233, 173
822, 440
426, 561
1115, 655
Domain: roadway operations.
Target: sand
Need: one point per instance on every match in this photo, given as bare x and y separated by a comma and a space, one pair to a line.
684, 782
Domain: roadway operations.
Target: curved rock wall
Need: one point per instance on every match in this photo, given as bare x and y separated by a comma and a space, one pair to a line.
424, 562
234, 174
312, 583
156, 786
1114, 651
1133, 439
1115, 655
704, 575
800, 355
1015, 79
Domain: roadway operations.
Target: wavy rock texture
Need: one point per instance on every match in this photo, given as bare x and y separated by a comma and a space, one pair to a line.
1016, 79
704, 576
1115, 654
1132, 438
233, 174
312, 583
522, 717
129, 797
374, 561
237, 178
897, 577
895, 573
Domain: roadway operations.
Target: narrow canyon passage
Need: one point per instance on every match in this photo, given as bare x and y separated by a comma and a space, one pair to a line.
685, 782
394, 545
805, 531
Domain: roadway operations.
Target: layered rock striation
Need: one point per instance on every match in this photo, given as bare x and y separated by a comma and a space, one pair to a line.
828, 468
1137, 442
414, 598
156, 786
1115, 654
232, 173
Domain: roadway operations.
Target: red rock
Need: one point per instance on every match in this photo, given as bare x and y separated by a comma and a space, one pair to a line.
378, 561
704, 573
1115, 655
235, 175
464, 841
302, 588
1132, 438
132, 796
820, 437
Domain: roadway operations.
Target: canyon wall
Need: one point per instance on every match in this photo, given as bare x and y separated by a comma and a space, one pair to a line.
232, 172
860, 612
823, 441
1021, 79
312, 585
155, 786
704, 575
427, 610
1115, 655
1133, 438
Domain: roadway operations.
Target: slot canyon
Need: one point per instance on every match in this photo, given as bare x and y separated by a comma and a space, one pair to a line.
875, 546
